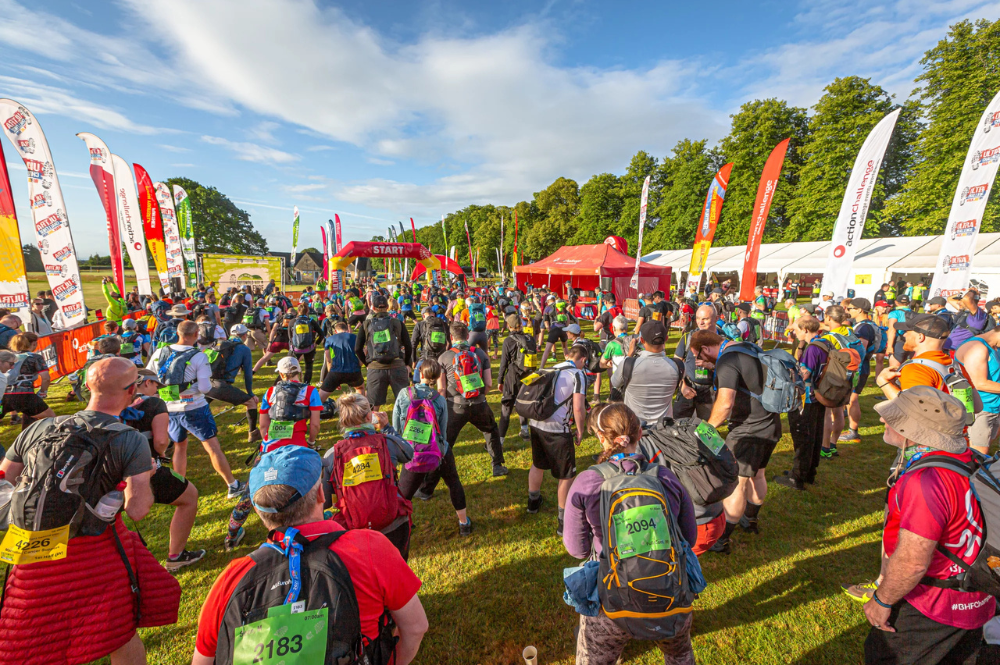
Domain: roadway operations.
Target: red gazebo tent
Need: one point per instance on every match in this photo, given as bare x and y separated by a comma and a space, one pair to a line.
590, 267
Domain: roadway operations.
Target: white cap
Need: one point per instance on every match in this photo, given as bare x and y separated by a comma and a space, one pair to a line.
238, 329
289, 365
129, 324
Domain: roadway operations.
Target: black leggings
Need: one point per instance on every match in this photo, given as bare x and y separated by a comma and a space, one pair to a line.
306, 360
409, 482
506, 410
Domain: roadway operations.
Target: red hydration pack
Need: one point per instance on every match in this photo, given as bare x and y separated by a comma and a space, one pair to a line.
364, 480
468, 372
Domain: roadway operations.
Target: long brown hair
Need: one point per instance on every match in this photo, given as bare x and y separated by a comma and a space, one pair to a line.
616, 423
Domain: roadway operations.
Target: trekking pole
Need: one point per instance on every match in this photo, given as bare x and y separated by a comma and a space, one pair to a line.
225, 411
530, 655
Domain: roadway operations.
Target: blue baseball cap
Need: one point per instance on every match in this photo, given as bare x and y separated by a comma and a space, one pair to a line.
296, 466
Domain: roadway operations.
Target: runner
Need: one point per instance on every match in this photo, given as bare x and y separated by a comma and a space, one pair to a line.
343, 367
303, 333
20, 396
227, 359
277, 342
147, 414
518, 359
187, 377
382, 345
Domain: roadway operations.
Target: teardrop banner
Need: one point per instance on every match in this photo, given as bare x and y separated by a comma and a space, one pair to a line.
761, 208
102, 172
171, 233
185, 227
13, 279
48, 210
710, 214
152, 224
130, 224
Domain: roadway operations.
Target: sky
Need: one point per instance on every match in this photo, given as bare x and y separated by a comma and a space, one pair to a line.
381, 111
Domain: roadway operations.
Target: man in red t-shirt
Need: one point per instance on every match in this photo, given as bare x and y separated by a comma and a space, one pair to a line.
286, 492
931, 510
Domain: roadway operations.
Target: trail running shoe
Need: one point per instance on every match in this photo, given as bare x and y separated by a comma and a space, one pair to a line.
254, 436
465, 529
721, 546
499, 470
862, 593
422, 495
833, 451
789, 482
232, 543
749, 525
185, 558
238, 491
559, 527
826, 453
534, 505
849, 437
525, 434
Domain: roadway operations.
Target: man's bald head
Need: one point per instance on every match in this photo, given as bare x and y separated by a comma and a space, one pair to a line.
11, 321
109, 379
705, 316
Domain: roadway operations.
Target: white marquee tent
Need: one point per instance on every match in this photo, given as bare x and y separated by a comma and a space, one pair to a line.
877, 260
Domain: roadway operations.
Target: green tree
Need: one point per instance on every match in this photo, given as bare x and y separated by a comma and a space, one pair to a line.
600, 210
32, 259
843, 118
961, 76
757, 128
219, 226
642, 165
558, 206
684, 181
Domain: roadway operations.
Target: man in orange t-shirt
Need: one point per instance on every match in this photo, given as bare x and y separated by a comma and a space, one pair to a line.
924, 335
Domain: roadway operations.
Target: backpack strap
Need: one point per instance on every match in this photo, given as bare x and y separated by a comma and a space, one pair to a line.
944, 371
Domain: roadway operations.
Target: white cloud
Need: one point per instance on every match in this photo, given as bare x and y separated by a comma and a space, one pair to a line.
173, 148
251, 152
298, 189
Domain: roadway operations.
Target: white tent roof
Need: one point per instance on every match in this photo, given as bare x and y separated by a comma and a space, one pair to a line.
722, 256
735, 260
886, 251
815, 261
924, 259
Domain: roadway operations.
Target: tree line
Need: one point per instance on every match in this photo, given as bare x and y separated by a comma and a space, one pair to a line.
913, 193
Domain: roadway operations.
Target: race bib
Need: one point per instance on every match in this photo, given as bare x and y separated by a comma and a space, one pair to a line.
169, 393
528, 330
657, 316
301, 329
362, 469
470, 382
530, 360
127, 348
710, 437
280, 429
640, 530
381, 337
438, 337
701, 373
283, 637
561, 318
417, 432
21, 546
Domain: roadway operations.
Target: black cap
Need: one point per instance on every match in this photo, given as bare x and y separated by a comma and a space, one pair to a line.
717, 290
863, 304
653, 332
929, 325
991, 304
937, 300
379, 302
902, 300
745, 307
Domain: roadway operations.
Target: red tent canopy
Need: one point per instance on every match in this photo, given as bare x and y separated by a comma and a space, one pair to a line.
584, 266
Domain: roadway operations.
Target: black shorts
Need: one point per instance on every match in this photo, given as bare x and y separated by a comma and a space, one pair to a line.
355, 319
752, 453
28, 404
479, 338
557, 334
409, 314
554, 452
167, 485
334, 380
227, 392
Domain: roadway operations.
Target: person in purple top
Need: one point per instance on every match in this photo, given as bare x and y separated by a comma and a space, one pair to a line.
600, 640
969, 322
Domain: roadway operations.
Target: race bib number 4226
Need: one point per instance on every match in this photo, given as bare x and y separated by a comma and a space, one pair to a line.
21, 546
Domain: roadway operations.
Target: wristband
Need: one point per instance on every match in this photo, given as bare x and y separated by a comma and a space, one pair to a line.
875, 598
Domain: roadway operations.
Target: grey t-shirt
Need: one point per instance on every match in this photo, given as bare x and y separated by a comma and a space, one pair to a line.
127, 455
650, 392
447, 360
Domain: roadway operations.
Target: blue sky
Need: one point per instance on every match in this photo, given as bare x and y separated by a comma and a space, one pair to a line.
385, 110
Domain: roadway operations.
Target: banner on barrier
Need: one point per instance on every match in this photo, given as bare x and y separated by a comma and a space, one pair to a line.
954, 266
48, 210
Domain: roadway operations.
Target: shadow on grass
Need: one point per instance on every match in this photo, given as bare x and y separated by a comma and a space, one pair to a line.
831, 653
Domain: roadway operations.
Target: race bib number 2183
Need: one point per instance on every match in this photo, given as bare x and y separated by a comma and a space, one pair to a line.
292, 639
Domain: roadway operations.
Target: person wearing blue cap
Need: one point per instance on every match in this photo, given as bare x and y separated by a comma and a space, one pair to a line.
287, 494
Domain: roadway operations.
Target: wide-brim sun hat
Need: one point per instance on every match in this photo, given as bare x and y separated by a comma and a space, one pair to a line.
928, 417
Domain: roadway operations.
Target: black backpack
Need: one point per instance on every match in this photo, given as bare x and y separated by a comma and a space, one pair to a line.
166, 333
593, 364
303, 338
536, 399
218, 356
63, 473
231, 317
755, 330
206, 333
381, 343
251, 318
527, 354
709, 477
326, 589
283, 406
435, 337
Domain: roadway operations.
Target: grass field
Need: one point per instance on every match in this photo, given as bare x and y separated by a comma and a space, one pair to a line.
776, 599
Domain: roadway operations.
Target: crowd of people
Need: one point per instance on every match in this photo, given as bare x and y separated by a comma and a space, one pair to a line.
686, 439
